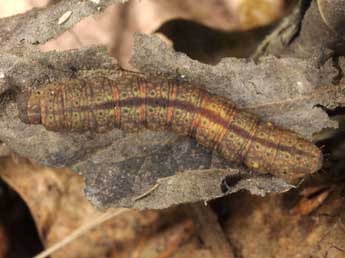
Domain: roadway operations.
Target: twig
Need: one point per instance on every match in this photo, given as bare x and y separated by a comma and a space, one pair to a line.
81, 231
146, 193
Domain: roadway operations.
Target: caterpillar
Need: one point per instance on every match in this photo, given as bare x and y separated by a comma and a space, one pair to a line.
131, 102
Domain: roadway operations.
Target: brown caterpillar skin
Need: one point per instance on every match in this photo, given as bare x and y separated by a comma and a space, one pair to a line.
132, 102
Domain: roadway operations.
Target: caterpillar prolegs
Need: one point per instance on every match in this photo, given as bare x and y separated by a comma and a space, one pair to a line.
131, 102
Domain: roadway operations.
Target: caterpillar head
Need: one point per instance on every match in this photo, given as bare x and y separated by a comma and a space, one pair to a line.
29, 107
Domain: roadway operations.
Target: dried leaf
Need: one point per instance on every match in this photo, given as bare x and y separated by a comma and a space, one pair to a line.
264, 227
56, 201
119, 166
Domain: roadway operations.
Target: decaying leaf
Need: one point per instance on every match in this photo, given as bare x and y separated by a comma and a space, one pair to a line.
120, 166
58, 206
279, 233
288, 96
